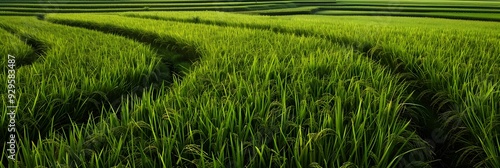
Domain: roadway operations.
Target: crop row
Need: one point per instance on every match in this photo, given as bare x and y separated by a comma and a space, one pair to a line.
458, 12
460, 16
262, 22
79, 73
255, 98
146, 8
114, 1
13, 45
318, 11
140, 5
409, 9
420, 4
453, 9
283, 11
458, 66
9, 45
423, 2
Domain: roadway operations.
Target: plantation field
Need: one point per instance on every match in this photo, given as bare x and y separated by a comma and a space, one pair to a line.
279, 83
451, 9
262, 92
483, 17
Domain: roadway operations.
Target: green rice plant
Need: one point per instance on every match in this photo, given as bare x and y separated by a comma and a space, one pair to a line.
425, 2
13, 45
227, 6
104, 1
23, 55
257, 99
297, 95
462, 16
81, 72
410, 9
136, 5
118, 1
4, 13
450, 60
418, 4
283, 11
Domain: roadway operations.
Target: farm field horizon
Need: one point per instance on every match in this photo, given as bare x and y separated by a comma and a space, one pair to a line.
277, 83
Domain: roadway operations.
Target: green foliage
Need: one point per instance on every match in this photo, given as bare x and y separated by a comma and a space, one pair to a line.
73, 78
269, 100
451, 61
266, 91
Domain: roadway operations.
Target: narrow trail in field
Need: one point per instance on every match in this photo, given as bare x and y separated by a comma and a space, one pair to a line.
432, 129
38, 47
174, 56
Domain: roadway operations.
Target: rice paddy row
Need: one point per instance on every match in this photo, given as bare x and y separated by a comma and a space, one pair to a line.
308, 10
116, 1
73, 79
327, 92
478, 10
256, 98
460, 16
12, 45
34, 8
147, 8
136, 5
449, 10
392, 47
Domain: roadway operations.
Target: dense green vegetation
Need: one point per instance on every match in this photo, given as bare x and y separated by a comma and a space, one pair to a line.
431, 57
79, 72
452, 9
11, 44
462, 16
269, 89
125, 84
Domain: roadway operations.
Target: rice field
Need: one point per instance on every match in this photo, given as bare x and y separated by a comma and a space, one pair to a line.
451, 9
207, 83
